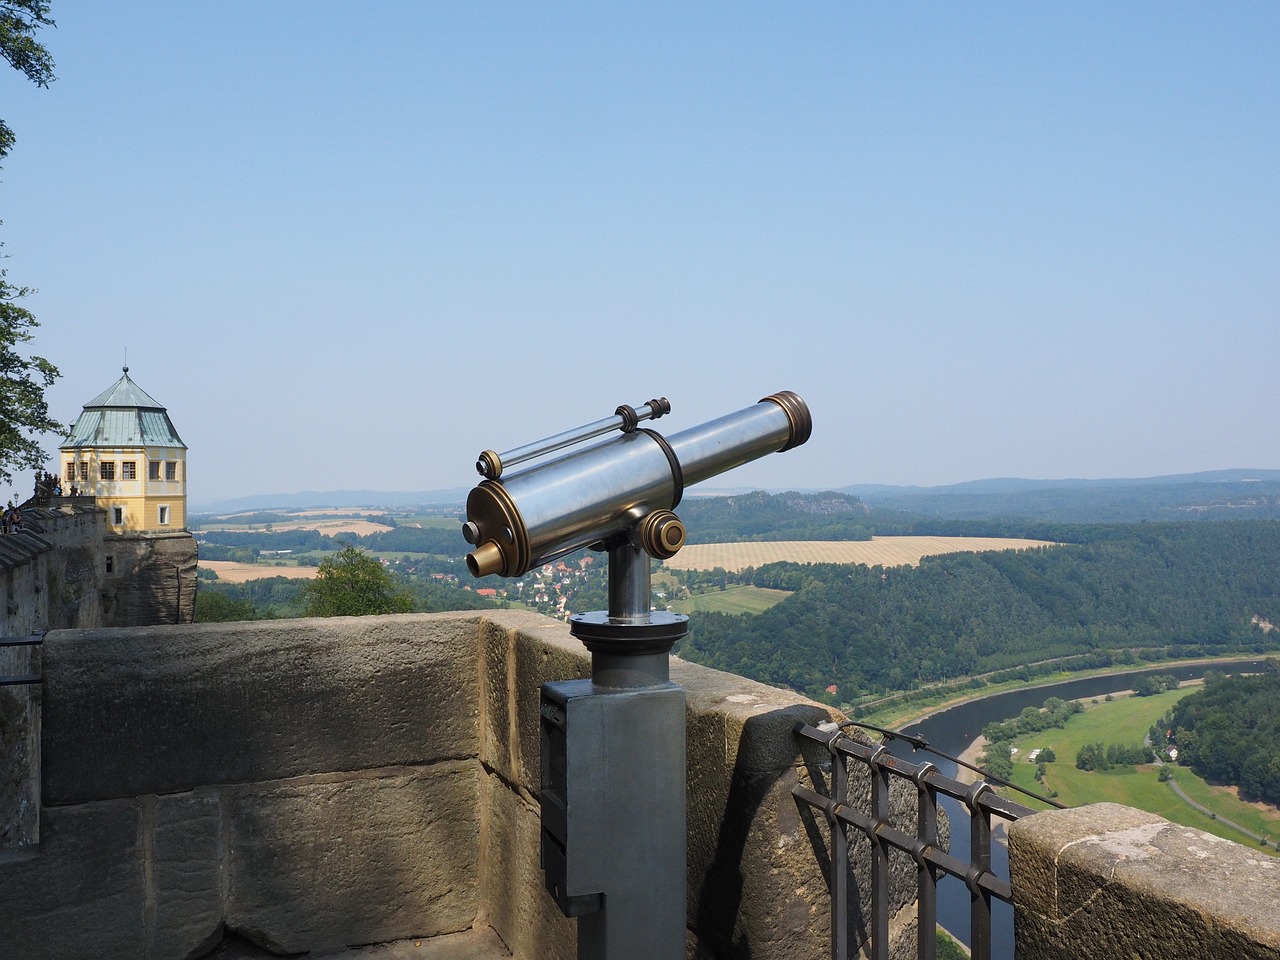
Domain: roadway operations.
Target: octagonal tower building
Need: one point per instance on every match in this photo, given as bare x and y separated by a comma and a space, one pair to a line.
123, 451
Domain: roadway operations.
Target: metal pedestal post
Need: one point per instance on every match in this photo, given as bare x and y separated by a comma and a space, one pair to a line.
613, 778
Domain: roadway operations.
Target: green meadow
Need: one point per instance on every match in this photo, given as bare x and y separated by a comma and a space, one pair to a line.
1127, 720
743, 599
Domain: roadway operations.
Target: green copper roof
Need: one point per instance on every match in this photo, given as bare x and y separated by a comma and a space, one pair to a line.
123, 415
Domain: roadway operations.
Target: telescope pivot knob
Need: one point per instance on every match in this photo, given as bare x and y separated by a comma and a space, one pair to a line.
661, 534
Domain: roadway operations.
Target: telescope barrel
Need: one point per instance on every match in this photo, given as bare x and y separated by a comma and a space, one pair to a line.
720, 445
588, 496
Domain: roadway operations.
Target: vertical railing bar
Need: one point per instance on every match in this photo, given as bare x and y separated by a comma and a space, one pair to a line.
980, 857
982, 803
879, 859
839, 859
926, 873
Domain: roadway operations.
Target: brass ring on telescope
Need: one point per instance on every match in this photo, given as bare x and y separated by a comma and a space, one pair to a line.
797, 412
661, 534
677, 472
491, 508
489, 465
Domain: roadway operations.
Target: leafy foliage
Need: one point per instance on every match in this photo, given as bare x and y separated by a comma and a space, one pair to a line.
23, 410
1102, 757
1229, 732
1150, 686
19, 21
354, 584
218, 606
1191, 587
783, 516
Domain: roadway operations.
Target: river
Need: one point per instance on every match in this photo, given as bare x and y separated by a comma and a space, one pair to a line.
952, 731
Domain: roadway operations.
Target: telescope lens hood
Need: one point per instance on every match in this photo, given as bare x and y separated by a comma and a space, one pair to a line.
797, 412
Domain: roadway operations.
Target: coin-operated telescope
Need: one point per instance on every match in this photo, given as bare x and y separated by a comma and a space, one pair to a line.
613, 747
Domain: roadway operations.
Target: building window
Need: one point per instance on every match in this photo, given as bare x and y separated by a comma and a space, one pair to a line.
111, 564
129, 470
163, 513
71, 469
107, 470
171, 470
117, 516
153, 470
84, 471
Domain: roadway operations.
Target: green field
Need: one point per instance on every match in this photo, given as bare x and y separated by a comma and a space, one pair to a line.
1126, 720
734, 600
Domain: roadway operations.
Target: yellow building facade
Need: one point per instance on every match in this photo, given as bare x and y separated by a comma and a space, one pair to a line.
125, 453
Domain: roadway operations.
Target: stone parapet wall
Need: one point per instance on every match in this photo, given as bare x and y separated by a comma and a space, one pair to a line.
51, 572
317, 784
754, 886
1109, 881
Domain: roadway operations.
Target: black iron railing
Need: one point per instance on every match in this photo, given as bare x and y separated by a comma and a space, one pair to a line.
832, 798
23, 678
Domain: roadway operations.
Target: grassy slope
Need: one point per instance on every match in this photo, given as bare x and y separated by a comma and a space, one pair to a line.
732, 600
1126, 720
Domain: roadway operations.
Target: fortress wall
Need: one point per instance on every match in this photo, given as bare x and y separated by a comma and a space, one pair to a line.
153, 579
1109, 881
315, 784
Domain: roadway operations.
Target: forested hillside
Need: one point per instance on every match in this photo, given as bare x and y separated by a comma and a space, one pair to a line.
1220, 495
781, 516
1229, 732
1195, 586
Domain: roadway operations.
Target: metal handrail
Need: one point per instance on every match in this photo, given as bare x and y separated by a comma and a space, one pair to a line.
982, 802
27, 679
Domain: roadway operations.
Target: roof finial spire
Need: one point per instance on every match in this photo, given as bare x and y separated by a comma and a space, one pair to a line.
126, 361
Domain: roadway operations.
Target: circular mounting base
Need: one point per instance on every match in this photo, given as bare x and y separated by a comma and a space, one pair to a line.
599, 634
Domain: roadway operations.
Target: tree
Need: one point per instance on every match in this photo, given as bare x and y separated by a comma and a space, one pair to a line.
216, 606
353, 584
19, 21
23, 410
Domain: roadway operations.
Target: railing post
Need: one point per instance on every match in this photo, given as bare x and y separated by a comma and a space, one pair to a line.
926, 873
839, 854
879, 857
980, 858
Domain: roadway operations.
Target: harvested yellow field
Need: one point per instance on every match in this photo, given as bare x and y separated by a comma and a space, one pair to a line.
233, 572
878, 551
358, 527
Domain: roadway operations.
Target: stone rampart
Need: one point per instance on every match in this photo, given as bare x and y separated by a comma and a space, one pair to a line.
317, 784
1109, 881
152, 579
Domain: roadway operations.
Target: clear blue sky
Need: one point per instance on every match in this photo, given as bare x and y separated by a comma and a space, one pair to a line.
351, 245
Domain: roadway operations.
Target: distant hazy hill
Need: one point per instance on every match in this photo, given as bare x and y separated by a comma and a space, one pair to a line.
1215, 495
307, 499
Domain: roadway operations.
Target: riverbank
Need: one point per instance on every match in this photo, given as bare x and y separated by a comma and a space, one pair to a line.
919, 712
971, 755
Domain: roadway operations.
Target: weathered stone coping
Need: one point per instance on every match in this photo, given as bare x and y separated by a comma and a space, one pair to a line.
1109, 881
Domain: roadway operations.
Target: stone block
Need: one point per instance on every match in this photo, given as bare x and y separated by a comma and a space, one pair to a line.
755, 884
1107, 880
174, 708
318, 865
185, 871
542, 651
516, 903
82, 894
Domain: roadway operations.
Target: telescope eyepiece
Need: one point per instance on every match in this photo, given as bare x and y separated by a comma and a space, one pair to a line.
485, 559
